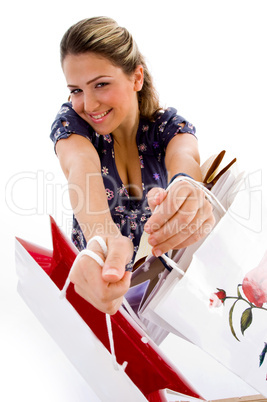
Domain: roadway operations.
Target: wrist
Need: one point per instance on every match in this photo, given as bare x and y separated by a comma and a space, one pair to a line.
104, 228
181, 174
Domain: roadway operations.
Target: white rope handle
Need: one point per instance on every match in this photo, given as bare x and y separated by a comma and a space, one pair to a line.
99, 260
172, 264
211, 198
89, 253
111, 342
101, 242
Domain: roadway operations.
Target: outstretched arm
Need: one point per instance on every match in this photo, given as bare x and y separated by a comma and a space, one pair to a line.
104, 288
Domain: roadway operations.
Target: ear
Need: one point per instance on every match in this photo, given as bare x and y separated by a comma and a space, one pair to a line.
138, 78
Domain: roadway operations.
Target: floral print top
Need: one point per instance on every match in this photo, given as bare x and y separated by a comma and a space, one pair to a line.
152, 138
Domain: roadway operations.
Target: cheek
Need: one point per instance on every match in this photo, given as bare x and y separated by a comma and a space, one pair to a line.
77, 104
120, 96
111, 98
122, 101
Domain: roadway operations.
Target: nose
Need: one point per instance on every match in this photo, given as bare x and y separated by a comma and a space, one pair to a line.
91, 102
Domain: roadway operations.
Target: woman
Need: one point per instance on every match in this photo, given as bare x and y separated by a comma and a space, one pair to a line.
118, 149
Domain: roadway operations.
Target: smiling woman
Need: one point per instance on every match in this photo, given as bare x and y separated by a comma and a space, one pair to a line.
118, 150
103, 37
107, 100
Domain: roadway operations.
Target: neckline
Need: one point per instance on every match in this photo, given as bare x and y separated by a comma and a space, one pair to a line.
132, 199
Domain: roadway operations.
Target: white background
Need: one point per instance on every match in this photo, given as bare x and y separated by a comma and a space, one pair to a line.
208, 59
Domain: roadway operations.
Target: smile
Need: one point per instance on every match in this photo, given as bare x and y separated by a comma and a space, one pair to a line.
99, 116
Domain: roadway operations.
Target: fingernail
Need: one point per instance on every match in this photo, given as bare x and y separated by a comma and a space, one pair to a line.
111, 271
147, 228
157, 253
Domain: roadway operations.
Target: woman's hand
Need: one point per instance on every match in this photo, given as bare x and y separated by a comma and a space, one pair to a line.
104, 287
182, 217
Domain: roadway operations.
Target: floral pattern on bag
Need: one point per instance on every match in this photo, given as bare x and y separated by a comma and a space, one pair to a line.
253, 292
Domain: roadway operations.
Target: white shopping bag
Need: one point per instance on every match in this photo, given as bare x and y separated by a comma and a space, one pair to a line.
153, 272
71, 333
220, 303
140, 371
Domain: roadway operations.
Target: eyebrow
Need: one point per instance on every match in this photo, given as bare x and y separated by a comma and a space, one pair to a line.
90, 81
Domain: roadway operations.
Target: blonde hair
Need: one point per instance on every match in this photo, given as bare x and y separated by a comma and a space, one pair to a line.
103, 36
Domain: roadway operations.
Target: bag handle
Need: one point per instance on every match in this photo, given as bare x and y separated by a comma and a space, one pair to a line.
209, 196
99, 260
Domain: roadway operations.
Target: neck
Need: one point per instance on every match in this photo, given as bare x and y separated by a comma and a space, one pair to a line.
125, 135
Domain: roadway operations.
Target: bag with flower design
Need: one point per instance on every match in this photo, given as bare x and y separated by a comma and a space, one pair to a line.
216, 294
150, 272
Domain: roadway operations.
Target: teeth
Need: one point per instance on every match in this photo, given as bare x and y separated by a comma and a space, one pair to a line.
100, 115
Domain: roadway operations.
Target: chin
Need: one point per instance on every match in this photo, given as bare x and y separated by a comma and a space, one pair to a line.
101, 131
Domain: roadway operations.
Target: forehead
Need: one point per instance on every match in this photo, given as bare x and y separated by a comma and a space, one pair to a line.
89, 63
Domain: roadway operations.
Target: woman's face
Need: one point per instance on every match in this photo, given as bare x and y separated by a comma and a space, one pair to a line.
101, 93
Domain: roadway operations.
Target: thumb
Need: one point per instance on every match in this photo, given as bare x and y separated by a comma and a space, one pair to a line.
155, 197
120, 251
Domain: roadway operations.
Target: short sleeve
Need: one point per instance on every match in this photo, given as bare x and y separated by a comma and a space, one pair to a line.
74, 124
170, 124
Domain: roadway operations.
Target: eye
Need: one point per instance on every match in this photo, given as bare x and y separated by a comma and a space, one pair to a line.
101, 84
75, 91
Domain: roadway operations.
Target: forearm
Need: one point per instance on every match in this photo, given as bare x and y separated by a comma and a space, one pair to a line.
182, 156
183, 163
89, 201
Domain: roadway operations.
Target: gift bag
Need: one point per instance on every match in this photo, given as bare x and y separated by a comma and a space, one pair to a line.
150, 272
142, 371
220, 303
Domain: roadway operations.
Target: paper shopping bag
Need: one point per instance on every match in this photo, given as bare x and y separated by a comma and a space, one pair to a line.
67, 328
220, 304
151, 273
80, 329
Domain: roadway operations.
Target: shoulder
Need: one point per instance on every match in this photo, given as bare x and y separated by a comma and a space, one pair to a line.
68, 122
71, 119
165, 126
171, 120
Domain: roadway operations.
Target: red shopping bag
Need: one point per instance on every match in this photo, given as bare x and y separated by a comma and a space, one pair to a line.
147, 367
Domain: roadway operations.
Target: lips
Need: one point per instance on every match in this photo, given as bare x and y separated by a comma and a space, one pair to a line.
99, 117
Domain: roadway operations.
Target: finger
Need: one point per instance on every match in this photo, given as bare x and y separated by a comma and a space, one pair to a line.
201, 233
90, 285
110, 307
175, 198
188, 214
87, 265
117, 289
155, 196
120, 251
85, 271
184, 239
99, 249
103, 291
181, 227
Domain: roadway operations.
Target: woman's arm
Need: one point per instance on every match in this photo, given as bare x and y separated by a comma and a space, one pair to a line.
183, 215
182, 156
104, 288
81, 165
